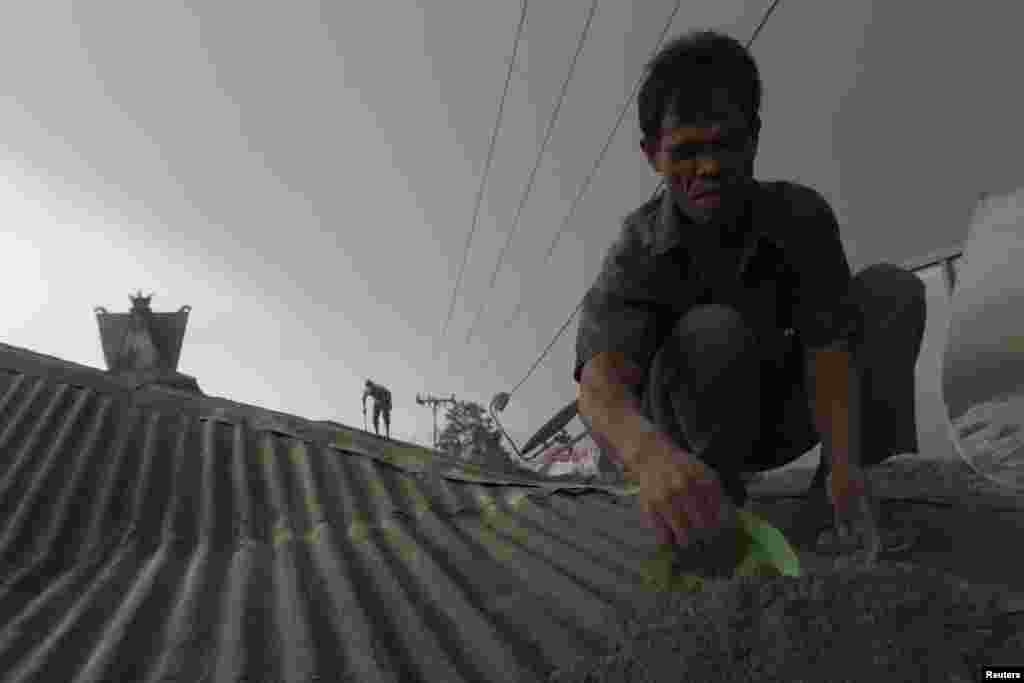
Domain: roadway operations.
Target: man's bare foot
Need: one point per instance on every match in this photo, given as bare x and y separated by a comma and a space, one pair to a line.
816, 526
814, 521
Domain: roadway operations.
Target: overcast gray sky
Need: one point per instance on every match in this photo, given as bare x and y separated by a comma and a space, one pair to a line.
303, 174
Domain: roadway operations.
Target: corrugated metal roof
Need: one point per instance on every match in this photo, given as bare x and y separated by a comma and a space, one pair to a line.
149, 535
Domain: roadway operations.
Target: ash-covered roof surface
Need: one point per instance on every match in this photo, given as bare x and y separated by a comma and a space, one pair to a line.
154, 535
894, 622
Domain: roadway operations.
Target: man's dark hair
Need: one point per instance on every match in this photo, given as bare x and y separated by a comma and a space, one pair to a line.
692, 63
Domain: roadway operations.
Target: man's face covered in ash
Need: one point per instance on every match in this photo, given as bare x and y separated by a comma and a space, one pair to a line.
705, 153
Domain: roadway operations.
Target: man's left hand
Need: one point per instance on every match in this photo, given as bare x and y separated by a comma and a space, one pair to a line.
856, 519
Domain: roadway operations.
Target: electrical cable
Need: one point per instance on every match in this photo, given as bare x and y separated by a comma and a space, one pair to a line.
600, 157
536, 166
487, 166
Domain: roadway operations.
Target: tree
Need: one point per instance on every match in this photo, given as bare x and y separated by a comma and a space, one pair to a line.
470, 434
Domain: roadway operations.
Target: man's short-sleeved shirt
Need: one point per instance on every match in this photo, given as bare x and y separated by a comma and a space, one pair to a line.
786, 271
380, 395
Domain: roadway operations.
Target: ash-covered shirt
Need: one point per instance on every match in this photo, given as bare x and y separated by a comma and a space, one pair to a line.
380, 395
783, 267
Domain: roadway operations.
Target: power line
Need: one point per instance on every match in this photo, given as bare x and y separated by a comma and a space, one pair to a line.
540, 157
576, 310
558, 334
548, 347
764, 20
487, 165
608, 143
519, 306
600, 157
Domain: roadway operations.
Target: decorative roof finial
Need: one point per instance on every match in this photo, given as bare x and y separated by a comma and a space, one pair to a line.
140, 302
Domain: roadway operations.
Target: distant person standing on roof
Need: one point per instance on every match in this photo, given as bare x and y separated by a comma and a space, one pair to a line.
726, 333
381, 406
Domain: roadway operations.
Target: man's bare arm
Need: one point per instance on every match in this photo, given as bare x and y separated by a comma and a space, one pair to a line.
606, 400
836, 399
680, 497
836, 403
833, 384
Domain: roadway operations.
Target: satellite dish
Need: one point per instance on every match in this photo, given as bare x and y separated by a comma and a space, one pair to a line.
983, 364
552, 427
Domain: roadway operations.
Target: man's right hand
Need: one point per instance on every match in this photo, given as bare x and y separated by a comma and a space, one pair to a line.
681, 497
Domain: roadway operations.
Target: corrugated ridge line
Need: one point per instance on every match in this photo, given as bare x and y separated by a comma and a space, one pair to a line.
17, 419
118, 637
465, 567
551, 588
72, 599
22, 455
288, 610
39, 498
8, 378
230, 645
617, 529
12, 389
186, 639
158, 608
113, 475
53, 520
239, 646
462, 624
57, 655
415, 651
47, 560
548, 577
193, 526
601, 565
54, 543
343, 627
349, 617
244, 646
478, 519
82, 626
149, 596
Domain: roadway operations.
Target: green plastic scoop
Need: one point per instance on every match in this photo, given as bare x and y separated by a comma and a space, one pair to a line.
763, 551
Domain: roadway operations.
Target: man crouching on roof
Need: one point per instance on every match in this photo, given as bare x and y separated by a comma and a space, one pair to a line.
726, 334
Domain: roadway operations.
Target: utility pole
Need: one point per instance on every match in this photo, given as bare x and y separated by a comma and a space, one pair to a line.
434, 402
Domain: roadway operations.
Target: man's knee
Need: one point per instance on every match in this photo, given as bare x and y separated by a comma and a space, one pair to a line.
886, 293
890, 303
706, 328
887, 284
705, 343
